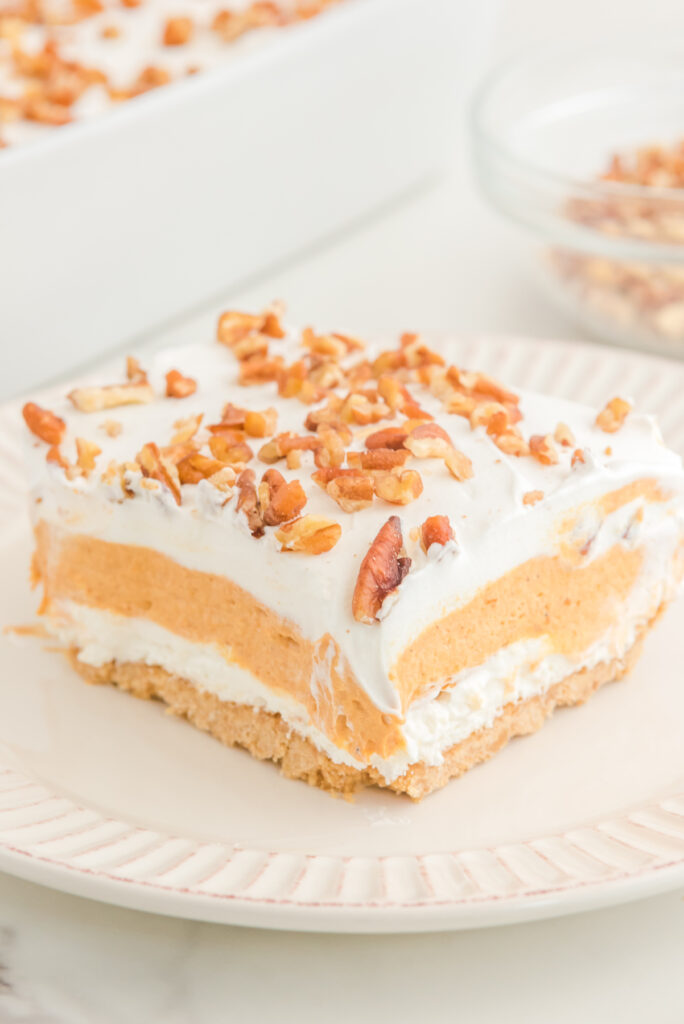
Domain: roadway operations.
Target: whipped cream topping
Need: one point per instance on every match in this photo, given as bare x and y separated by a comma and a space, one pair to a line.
494, 529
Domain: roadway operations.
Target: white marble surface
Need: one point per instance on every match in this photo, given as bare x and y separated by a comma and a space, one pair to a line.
70, 961
439, 260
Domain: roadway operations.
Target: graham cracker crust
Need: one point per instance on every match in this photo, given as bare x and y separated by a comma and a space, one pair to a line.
268, 737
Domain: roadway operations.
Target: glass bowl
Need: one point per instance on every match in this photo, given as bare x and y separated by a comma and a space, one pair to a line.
543, 130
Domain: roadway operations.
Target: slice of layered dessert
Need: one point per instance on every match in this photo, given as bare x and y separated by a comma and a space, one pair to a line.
369, 566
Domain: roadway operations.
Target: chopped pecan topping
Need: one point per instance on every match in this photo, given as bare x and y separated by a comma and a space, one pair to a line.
532, 497
543, 449
178, 386
564, 436
252, 347
511, 442
378, 460
430, 441
352, 493
229, 452
54, 456
86, 453
186, 428
112, 428
95, 399
390, 437
311, 534
43, 423
435, 530
248, 502
577, 457
223, 479
363, 409
480, 385
324, 344
279, 501
236, 329
382, 571
293, 459
134, 371
459, 465
178, 31
195, 467
331, 451
399, 490
611, 418
325, 474
154, 465
259, 370
261, 424
329, 413
233, 327
233, 416
278, 448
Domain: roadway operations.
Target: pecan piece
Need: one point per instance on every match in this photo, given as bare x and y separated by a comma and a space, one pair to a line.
233, 417
248, 502
280, 501
86, 453
261, 424
577, 457
228, 451
543, 449
178, 386
399, 490
134, 371
233, 326
259, 370
54, 456
196, 467
154, 465
564, 436
429, 440
611, 418
435, 530
378, 460
532, 497
332, 450
382, 571
352, 493
95, 399
186, 429
178, 31
311, 534
511, 442
390, 437
43, 423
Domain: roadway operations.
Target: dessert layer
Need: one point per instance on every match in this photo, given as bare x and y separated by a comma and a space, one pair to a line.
469, 695
268, 736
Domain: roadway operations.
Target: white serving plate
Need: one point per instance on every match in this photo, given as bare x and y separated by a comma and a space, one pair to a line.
113, 226
107, 797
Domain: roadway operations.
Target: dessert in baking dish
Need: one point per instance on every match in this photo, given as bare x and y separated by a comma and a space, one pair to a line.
66, 60
367, 565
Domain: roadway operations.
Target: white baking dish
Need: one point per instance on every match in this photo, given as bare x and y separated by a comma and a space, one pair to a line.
110, 227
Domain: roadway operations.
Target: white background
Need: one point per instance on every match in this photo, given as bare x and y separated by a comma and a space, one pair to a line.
438, 260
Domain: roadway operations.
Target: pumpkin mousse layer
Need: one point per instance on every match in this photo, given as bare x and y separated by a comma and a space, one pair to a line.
370, 566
